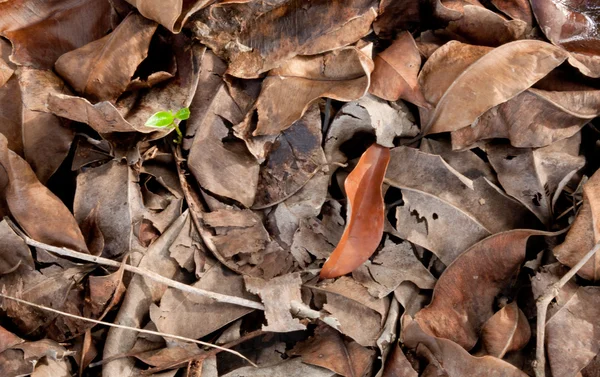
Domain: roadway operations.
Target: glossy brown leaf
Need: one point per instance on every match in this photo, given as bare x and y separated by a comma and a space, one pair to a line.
584, 233
41, 31
506, 331
491, 80
102, 70
396, 70
463, 298
258, 36
364, 226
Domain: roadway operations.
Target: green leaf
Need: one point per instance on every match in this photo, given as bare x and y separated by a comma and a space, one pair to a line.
183, 114
161, 119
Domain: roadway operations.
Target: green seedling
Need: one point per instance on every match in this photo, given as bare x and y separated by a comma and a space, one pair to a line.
167, 119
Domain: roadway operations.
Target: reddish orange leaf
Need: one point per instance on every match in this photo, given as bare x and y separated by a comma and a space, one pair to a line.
364, 227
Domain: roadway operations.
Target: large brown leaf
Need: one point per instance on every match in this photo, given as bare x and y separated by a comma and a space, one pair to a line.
447, 358
343, 75
396, 70
571, 339
258, 36
364, 226
41, 31
491, 80
463, 298
438, 200
101, 70
584, 233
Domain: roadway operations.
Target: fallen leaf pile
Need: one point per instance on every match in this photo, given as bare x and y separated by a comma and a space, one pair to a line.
356, 188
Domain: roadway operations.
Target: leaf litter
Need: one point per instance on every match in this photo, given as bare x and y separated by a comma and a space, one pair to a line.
323, 188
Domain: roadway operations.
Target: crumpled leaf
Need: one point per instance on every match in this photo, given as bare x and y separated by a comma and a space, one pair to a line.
396, 70
33, 358
343, 75
396, 15
172, 15
102, 70
516, 9
6, 67
393, 265
257, 36
364, 226
508, 70
277, 295
41, 214
584, 233
328, 349
41, 31
397, 365
295, 157
463, 297
536, 177
507, 330
574, 26
437, 201
570, 334
447, 358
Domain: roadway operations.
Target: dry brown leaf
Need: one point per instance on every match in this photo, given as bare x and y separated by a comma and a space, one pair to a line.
463, 298
584, 233
34, 358
536, 177
396, 15
397, 365
328, 349
102, 70
289, 368
289, 90
508, 70
437, 201
173, 15
277, 295
41, 31
14, 252
507, 330
364, 226
516, 9
396, 70
258, 36
570, 334
447, 358
6, 67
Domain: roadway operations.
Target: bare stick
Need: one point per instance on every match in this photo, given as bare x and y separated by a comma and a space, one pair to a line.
126, 327
63, 251
542, 309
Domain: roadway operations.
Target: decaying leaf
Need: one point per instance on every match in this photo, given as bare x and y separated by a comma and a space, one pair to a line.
397, 365
37, 358
437, 201
172, 15
396, 70
291, 367
506, 331
102, 70
584, 233
447, 358
257, 36
343, 75
13, 251
328, 349
364, 226
463, 298
570, 334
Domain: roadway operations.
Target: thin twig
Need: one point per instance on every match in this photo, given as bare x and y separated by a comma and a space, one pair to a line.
63, 251
542, 309
150, 332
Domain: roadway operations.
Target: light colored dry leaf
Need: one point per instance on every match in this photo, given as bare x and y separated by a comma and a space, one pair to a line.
289, 368
507, 330
173, 15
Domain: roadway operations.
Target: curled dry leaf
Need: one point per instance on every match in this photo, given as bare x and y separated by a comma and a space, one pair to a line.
570, 344
508, 70
397, 365
396, 70
463, 298
447, 358
584, 233
289, 90
507, 330
172, 15
34, 358
43, 216
102, 70
396, 15
14, 252
364, 226
437, 201
6, 67
258, 36
41, 31
516, 9
327, 348
536, 177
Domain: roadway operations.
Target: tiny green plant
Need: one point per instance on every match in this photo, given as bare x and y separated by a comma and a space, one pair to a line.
167, 119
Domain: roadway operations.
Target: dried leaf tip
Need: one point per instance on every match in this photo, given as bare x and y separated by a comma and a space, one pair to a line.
364, 227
